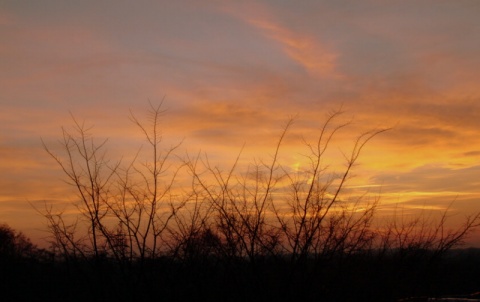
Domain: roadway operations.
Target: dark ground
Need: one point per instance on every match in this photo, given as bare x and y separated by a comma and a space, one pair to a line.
362, 277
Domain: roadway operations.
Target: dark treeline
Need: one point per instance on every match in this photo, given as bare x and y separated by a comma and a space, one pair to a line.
34, 274
178, 228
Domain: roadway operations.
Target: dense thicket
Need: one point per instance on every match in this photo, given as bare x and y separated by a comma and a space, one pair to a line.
172, 227
365, 276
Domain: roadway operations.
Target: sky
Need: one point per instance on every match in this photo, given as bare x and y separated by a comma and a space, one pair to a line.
231, 73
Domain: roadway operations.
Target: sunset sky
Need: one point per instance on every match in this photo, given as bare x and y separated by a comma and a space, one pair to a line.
231, 73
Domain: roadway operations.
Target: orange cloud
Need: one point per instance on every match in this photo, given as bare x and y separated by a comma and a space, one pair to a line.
313, 56
305, 50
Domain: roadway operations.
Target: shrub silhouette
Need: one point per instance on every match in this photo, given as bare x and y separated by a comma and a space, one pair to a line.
15, 245
265, 232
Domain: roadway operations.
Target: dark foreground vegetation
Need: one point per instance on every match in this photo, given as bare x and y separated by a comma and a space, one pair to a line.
179, 228
31, 274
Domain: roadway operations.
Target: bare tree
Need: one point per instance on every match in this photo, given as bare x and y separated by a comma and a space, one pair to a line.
65, 240
88, 170
131, 204
142, 208
309, 221
146, 203
316, 220
423, 232
241, 203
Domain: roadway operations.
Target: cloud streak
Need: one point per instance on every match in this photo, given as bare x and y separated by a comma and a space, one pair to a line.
304, 50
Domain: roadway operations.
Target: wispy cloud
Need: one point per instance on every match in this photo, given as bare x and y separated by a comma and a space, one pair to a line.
314, 56
303, 49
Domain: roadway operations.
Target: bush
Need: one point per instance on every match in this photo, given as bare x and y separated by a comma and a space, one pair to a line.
263, 233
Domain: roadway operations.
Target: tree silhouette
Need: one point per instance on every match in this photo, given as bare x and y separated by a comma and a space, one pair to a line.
259, 230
